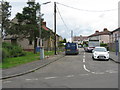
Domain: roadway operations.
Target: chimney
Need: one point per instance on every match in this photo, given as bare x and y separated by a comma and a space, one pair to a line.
96, 31
31, 0
105, 29
44, 23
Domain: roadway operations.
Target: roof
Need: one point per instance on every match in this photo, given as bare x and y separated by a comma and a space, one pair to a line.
45, 28
104, 32
118, 29
80, 38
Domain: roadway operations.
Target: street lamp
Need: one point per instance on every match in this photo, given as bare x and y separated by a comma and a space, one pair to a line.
40, 40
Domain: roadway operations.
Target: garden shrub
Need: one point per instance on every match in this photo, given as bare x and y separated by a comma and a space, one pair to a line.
9, 50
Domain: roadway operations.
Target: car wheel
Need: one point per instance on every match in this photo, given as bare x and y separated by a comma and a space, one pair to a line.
93, 58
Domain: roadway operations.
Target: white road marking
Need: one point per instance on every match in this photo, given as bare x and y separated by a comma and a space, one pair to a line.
86, 68
35, 79
84, 52
50, 77
70, 76
31, 79
28, 79
84, 56
7, 81
83, 60
111, 71
98, 72
83, 74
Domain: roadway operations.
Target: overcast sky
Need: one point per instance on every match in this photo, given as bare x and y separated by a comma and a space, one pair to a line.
84, 18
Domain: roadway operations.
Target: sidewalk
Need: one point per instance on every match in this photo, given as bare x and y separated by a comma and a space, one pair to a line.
29, 67
114, 57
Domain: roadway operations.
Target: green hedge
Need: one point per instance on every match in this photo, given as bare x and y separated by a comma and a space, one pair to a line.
103, 44
9, 50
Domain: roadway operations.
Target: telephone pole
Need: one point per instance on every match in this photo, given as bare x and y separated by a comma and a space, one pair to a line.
71, 35
55, 28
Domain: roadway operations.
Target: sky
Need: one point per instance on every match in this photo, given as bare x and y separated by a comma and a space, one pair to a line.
83, 17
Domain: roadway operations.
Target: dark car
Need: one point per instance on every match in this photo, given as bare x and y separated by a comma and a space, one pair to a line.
71, 48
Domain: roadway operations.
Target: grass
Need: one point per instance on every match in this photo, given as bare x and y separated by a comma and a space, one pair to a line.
30, 57
0, 65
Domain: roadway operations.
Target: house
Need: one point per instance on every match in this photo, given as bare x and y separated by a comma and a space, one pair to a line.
28, 45
115, 40
104, 36
80, 39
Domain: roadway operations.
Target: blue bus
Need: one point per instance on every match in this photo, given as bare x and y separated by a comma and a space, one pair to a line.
71, 48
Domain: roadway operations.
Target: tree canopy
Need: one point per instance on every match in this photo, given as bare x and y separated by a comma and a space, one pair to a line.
6, 13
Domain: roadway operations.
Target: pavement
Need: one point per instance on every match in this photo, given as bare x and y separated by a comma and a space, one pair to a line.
114, 57
29, 67
35, 65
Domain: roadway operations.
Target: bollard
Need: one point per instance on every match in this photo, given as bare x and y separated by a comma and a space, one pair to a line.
42, 56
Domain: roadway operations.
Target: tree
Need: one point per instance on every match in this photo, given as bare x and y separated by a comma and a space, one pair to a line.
28, 26
28, 23
64, 40
6, 13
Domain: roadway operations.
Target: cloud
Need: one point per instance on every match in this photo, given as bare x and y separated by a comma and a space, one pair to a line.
81, 22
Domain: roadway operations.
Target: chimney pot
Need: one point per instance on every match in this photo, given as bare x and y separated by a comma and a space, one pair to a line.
96, 31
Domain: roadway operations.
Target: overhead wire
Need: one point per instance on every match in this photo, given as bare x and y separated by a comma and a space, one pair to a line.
87, 10
62, 19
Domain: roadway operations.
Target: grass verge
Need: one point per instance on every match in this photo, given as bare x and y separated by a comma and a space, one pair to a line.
12, 62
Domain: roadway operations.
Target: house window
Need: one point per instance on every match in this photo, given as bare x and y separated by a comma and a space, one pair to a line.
30, 42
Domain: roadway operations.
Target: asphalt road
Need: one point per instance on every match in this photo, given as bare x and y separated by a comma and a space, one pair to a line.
72, 71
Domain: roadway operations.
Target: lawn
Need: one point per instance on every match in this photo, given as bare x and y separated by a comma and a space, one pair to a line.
0, 65
12, 62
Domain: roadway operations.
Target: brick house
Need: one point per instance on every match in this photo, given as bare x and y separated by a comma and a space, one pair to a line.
29, 45
104, 36
80, 39
115, 40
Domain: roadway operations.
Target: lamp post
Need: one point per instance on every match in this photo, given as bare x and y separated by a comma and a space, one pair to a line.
40, 40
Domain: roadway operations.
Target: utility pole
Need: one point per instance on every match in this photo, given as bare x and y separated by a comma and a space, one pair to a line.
71, 35
55, 27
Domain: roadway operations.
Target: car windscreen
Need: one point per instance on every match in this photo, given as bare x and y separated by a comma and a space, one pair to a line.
71, 46
100, 49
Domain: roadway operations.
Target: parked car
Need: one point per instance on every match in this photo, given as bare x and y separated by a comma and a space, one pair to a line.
71, 48
88, 49
100, 53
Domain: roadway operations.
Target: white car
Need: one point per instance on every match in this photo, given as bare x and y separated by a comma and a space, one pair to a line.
100, 53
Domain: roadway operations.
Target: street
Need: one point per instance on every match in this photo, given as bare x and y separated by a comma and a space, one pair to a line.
71, 71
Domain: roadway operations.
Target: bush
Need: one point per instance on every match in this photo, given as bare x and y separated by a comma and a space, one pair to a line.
5, 53
103, 44
9, 50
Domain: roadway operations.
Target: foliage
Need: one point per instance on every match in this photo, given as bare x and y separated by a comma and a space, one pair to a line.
28, 24
103, 44
64, 40
29, 57
9, 50
85, 43
6, 13
61, 43
5, 53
